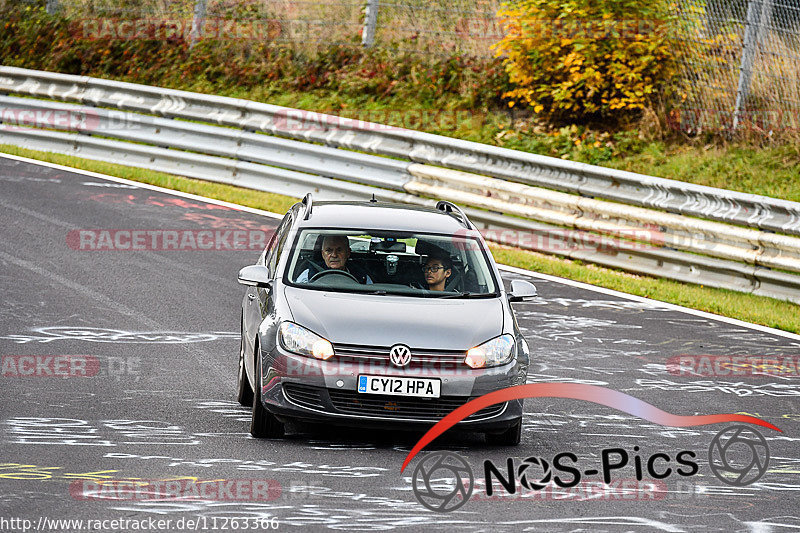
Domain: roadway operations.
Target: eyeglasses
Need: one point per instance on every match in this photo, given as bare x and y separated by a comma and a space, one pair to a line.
436, 268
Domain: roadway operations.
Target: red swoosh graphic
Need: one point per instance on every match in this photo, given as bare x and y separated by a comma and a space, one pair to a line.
590, 393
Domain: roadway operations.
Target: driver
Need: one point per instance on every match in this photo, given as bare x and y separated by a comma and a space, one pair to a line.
335, 252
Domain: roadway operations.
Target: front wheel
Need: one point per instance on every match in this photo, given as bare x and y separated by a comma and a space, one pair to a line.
263, 423
510, 437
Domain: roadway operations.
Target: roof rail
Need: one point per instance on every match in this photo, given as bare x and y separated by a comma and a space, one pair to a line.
308, 202
450, 207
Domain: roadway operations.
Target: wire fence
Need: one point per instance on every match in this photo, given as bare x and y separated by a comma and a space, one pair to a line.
741, 60
458, 26
741, 66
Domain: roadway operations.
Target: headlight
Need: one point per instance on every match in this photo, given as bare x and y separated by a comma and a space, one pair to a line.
497, 351
299, 340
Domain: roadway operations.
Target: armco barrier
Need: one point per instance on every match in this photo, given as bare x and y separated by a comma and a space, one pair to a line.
116, 130
681, 232
205, 167
626, 187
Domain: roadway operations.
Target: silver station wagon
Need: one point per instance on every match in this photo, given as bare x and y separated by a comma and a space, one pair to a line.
380, 315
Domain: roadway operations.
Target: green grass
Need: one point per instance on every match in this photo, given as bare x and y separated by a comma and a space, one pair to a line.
768, 171
267, 201
756, 309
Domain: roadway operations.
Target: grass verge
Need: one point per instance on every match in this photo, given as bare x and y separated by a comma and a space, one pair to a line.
756, 309
267, 201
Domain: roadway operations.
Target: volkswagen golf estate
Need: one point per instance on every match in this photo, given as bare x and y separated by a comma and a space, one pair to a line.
380, 315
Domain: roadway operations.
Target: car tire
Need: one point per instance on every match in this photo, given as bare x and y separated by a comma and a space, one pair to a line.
510, 437
244, 393
263, 423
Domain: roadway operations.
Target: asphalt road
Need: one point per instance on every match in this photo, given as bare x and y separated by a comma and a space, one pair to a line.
159, 332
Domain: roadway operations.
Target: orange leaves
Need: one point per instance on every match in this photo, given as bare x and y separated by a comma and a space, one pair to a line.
571, 59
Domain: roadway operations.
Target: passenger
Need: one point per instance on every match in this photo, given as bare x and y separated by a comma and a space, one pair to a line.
335, 252
436, 271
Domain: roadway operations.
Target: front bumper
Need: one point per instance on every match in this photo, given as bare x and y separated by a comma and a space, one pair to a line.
297, 387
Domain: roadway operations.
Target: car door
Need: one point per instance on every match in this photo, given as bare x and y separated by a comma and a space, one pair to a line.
259, 300
272, 261
251, 314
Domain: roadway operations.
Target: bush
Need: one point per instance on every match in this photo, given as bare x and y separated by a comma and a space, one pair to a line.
576, 61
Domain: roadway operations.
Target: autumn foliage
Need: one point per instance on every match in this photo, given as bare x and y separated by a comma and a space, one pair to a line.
581, 60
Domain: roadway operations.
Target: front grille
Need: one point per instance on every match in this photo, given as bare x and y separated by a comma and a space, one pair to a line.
303, 395
419, 356
402, 407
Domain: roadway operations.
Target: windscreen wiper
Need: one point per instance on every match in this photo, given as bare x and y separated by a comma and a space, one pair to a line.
468, 295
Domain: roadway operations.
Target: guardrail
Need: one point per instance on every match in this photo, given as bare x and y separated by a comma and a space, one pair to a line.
624, 221
634, 189
181, 138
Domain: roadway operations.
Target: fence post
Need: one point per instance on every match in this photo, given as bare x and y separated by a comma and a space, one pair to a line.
51, 6
758, 15
197, 22
370, 23
764, 21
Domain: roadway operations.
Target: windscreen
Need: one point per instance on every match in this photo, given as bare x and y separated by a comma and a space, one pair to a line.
412, 264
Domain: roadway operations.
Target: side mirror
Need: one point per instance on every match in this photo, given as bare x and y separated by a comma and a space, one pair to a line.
255, 276
521, 291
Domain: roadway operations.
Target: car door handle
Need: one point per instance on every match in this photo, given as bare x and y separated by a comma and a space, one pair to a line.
251, 296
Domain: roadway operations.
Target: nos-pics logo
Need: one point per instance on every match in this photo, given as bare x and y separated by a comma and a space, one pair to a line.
443, 481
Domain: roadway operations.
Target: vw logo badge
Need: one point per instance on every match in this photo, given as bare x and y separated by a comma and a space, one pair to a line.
400, 355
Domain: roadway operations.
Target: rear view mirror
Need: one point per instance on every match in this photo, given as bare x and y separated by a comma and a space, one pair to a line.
521, 291
255, 276
388, 245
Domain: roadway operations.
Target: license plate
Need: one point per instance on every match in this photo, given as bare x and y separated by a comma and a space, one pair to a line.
395, 386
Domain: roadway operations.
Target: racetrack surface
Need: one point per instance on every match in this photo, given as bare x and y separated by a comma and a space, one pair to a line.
162, 331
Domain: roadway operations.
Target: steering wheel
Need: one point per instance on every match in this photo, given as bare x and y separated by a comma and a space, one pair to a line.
319, 275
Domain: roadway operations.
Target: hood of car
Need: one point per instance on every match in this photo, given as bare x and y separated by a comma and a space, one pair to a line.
429, 323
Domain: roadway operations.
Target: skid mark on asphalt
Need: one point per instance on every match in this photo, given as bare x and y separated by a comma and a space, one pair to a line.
739, 388
106, 433
259, 465
117, 336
